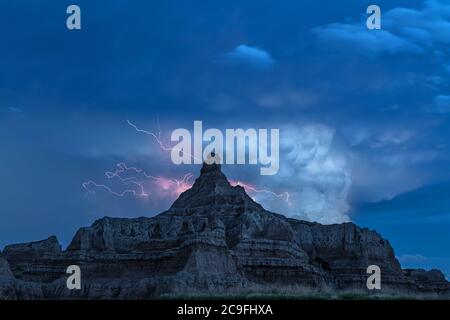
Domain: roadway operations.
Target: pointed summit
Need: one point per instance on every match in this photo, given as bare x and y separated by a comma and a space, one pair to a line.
211, 192
211, 166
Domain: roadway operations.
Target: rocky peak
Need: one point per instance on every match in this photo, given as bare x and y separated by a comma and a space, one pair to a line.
213, 239
49, 245
211, 176
211, 192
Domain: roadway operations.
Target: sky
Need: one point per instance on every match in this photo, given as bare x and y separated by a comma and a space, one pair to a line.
364, 115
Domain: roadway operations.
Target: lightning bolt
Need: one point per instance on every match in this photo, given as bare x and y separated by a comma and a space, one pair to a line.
175, 186
135, 186
252, 189
156, 137
159, 140
248, 187
87, 186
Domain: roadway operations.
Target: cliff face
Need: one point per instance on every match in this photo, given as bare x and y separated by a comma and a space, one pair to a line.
213, 238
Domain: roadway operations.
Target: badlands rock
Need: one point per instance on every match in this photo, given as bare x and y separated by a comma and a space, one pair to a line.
214, 238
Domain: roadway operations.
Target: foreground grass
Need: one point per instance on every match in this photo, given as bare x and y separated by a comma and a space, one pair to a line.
297, 293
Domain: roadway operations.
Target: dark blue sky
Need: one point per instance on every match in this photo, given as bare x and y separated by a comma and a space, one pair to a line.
363, 115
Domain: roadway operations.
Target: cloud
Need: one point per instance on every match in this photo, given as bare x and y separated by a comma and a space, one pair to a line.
295, 99
11, 109
403, 30
376, 137
380, 149
316, 175
356, 37
411, 258
14, 109
244, 55
424, 31
441, 105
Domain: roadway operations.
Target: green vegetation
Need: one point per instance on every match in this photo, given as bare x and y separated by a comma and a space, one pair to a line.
298, 293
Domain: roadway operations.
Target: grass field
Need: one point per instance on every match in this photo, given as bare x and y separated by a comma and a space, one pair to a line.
300, 293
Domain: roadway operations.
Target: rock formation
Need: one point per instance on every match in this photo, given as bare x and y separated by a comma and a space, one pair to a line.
214, 238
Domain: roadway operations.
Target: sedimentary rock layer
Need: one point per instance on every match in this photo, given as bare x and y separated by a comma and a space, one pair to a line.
214, 238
